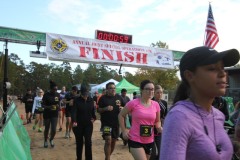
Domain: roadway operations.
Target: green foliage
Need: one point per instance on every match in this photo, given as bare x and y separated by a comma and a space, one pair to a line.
167, 79
77, 75
159, 44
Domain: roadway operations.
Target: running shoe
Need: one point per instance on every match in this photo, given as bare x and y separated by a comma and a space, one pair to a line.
45, 144
67, 135
39, 129
34, 127
52, 143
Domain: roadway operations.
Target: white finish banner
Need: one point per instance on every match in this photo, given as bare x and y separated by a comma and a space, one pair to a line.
84, 50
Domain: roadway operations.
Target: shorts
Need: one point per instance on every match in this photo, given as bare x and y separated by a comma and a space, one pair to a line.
114, 132
38, 112
62, 110
28, 109
67, 113
147, 147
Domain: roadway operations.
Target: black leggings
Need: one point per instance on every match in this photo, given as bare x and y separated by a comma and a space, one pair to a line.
85, 132
53, 122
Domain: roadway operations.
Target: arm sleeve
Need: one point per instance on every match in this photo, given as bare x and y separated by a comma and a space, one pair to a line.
122, 102
166, 110
34, 105
93, 112
100, 102
24, 99
130, 105
74, 111
158, 109
175, 136
44, 101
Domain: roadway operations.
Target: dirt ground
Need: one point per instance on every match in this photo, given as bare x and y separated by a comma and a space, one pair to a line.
65, 149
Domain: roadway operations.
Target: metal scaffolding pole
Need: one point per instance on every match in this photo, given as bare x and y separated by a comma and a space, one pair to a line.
5, 80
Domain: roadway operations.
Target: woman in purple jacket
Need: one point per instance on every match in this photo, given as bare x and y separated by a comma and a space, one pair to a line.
193, 128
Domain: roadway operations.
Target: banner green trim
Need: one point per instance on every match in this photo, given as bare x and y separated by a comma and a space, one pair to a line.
22, 36
177, 55
31, 37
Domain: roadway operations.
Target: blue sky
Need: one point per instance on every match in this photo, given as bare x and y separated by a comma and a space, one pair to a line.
179, 23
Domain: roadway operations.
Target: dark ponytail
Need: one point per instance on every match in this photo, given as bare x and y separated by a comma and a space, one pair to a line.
182, 92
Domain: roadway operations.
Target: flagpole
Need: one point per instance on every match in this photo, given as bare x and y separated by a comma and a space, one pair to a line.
204, 38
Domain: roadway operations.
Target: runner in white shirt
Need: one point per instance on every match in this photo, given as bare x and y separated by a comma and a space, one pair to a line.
38, 110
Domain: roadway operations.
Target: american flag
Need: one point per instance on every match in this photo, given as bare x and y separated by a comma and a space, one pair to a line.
211, 38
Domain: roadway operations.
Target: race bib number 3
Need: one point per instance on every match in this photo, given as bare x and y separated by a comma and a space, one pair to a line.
107, 130
145, 130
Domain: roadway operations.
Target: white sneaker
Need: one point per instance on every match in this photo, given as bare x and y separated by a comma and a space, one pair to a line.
52, 143
67, 135
45, 144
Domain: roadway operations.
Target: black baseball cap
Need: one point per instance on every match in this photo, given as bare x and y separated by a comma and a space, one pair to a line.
84, 90
74, 88
203, 55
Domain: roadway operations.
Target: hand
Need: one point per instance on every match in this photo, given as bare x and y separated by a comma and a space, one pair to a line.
109, 108
159, 130
71, 102
125, 134
64, 101
74, 124
92, 120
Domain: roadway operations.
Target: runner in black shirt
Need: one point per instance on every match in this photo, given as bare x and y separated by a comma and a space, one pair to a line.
83, 116
68, 100
28, 100
125, 100
50, 103
109, 107
158, 93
